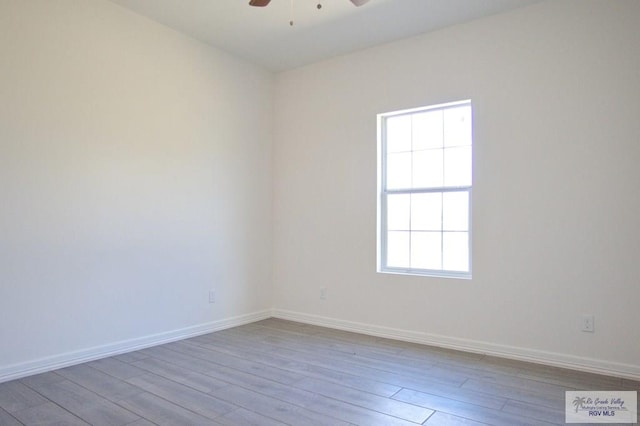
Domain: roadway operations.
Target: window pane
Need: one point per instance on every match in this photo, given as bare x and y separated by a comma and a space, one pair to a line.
455, 211
426, 250
426, 212
399, 170
427, 130
427, 168
457, 166
398, 249
457, 126
398, 212
399, 133
427, 164
455, 251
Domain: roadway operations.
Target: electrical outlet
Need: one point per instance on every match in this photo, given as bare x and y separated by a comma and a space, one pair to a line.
323, 293
588, 323
212, 296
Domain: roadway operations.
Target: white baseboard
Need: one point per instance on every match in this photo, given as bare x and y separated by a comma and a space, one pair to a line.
42, 365
627, 371
590, 365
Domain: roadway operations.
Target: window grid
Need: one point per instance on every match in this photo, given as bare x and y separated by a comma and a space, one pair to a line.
444, 145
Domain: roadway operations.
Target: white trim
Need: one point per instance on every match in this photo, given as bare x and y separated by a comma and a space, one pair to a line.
590, 365
627, 371
425, 108
55, 362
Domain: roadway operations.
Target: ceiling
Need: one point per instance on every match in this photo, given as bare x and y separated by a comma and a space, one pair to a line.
263, 35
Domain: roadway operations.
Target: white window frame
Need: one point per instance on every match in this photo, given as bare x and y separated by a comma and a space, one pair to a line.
383, 193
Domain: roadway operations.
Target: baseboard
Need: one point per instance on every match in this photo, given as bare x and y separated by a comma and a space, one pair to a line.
589, 365
42, 365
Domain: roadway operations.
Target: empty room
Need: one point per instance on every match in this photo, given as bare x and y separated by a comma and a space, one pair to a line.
319, 212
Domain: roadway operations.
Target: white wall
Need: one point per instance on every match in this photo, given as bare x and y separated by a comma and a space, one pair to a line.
556, 97
135, 175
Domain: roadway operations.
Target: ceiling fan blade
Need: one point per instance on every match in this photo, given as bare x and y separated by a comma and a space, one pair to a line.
359, 2
259, 3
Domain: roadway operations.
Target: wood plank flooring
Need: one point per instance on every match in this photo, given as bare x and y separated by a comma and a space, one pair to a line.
277, 372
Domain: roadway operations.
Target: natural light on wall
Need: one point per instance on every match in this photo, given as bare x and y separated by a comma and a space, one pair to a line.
425, 183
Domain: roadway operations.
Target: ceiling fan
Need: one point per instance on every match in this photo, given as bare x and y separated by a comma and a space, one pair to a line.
262, 3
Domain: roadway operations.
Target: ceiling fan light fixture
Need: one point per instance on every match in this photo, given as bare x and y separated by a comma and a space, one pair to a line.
263, 3
259, 3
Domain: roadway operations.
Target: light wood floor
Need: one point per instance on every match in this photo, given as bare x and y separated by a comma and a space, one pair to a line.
276, 372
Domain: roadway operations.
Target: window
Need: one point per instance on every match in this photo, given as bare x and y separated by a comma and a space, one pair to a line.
425, 183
